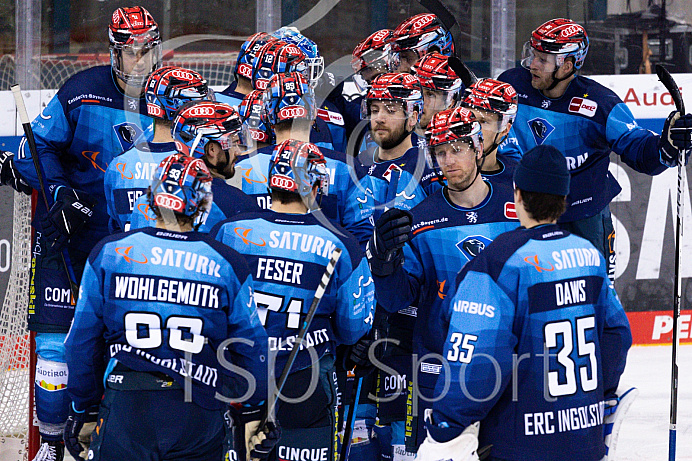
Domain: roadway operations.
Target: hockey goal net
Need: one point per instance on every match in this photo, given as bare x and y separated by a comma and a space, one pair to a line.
15, 348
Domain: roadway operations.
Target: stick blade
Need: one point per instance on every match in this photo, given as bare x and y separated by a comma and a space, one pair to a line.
672, 87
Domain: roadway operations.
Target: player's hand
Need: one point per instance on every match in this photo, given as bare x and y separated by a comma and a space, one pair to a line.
461, 448
676, 137
9, 176
357, 356
74, 424
389, 237
263, 441
67, 216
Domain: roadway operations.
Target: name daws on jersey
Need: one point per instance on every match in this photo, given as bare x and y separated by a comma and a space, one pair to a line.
312, 339
199, 372
576, 257
569, 419
143, 288
190, 261
306, 242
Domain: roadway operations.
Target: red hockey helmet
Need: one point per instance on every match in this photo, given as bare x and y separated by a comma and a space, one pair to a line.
133, 30
289, 97
168, 88
181, 184
277, 57
401, 87
247, 53
451, 125
421, 34
433, 72
371, 57
562, 37
200, 122
255, 121
297, 167
493, 96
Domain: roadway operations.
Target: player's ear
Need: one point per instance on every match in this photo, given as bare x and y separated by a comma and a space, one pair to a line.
412, 121
567, 67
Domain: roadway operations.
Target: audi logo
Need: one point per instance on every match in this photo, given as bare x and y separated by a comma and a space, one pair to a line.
293, 112
571, 30
282, 182
257, 135
381, 35
261, 84
154, 110
178, 73
245, 70
200, 111
422, 22
169, 201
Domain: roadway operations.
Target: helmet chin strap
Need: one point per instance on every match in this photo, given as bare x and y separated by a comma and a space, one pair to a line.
558, 80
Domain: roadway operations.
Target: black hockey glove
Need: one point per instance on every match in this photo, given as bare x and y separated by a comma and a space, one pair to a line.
74, 424
67, 216
357, 356
9, 176
675, 137
264, 440
257, 442
389, 237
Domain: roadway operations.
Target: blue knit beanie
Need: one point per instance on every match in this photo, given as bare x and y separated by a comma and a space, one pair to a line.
543, 169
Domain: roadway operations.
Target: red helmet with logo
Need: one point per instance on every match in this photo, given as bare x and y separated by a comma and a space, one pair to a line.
402, 87
493, 96
289, 97
134, 28
181, 184
374, 51
451, 125
200, 122
561, 37
247, 53
168, 88
255, 122
422, 33
277, 57
297, 167
433, 72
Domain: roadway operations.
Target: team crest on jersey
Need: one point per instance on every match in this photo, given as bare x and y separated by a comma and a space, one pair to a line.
540, 129
471, 246
127, 134
472, 217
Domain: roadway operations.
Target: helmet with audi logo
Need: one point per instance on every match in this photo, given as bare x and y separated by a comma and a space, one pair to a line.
451, 125
255, 121
247, 53
201, 122
396, 87
422, 33
433, 72
276, 57
133, 30
297, 167
168, 88
371, 57
493, 96
289, 97
561, 37
181, 184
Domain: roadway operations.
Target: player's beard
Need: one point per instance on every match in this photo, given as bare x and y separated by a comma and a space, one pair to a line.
542, 82
392, 138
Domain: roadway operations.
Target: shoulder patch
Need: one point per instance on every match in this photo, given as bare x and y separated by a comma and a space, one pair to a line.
583, 106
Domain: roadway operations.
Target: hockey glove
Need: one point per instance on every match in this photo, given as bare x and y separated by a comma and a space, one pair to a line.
75, 421
67, 216
675, 137
389, 237
357, 356
614, 414
9, 176
461, 448
263, 441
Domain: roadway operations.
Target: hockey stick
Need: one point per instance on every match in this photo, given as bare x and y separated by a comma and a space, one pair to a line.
350, 421
445, 16
29, 133
667, 80
302, 332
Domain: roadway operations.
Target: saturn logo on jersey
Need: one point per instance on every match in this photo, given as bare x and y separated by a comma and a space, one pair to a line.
441, 289
125, 253
243, 234
533, 260
121, 168
91, 156
144, 209
541, 129
472, 246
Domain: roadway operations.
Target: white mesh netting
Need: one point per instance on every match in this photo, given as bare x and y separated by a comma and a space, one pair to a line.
14, 340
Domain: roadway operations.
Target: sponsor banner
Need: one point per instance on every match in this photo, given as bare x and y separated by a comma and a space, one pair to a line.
656, 327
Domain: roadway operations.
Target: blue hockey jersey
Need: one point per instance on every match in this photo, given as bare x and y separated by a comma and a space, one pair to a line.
228, 202
162, 301
530, 293
128, 176
585, 124
505, 175
347, 202
287, 255
230, 96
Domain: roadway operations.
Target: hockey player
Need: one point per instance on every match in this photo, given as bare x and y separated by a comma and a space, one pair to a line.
9, 176
148, 326
466, 215
255, 122
442, 88
210, 131
585, 121
494, 104
538, 333
417, 36
236, 91
129, 175
93, 118
290, 108
287, 249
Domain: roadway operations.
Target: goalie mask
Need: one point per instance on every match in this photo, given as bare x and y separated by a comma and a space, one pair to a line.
297, 167
315, 62
181, 184
289, 97
135, 44
276, 58
168, 88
